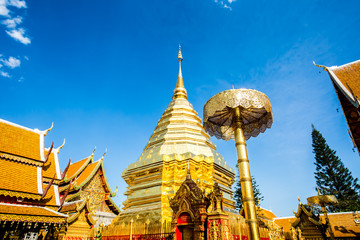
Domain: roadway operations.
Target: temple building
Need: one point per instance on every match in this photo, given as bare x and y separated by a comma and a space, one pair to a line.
308, 225
178, 142
29, 179
87, 198
346, 81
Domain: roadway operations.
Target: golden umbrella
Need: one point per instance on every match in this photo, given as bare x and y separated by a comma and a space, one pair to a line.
239, 114
323, 201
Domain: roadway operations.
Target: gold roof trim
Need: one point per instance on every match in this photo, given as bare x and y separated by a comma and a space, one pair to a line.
21, 159
25, 218
80, 208
70, 197
20, 194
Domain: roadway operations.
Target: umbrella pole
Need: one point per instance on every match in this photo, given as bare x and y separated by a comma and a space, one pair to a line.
245, 178
323, 207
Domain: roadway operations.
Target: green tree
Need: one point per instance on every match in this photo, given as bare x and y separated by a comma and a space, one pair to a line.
238, 195
332, 177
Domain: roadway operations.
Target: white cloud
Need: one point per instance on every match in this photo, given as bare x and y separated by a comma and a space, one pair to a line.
18, 34
225, 3
12, 22
4, 74
12, 62
17, 3
4, 11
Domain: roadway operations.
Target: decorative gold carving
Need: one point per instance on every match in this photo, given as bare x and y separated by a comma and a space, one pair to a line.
25, 218
21, 159
97, 195
20, 194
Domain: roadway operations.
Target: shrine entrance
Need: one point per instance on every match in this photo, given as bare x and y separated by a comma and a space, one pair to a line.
185, 227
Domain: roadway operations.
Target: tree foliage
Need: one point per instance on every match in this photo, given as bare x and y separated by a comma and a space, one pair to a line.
238, 195
332, 177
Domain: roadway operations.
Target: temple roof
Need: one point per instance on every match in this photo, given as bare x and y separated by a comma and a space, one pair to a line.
51, 167
346, 81
26, 213
25, 174
179, 134
21, 141
76, 168
82, 172
347, 77
266, 214
342, 224
52, 196
19, 180
71, 206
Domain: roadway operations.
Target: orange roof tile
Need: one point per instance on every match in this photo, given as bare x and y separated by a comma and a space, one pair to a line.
76, 168
16, 212
87, 174
49, 168
49, 199
267, 214
15, 176
285, 222
19, 141
343, 224
349, 76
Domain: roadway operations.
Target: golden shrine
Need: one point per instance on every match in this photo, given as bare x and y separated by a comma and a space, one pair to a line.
308, 225
179, 141
87, 198
29, 182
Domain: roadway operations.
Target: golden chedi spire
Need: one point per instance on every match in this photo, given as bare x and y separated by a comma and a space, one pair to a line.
177, 147
180, 91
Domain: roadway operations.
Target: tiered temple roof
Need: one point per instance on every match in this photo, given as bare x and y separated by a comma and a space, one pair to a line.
29, 177
85, 184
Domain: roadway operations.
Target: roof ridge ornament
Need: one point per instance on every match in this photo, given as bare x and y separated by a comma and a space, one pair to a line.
62, 145
49, 129
103, 154
92, 154
321, 66
180, 91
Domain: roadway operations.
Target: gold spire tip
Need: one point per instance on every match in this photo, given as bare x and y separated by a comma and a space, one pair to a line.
180, 58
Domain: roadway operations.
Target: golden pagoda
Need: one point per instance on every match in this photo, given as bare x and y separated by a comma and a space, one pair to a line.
178, 142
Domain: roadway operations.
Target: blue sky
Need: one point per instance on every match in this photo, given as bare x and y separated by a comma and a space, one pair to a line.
104, 72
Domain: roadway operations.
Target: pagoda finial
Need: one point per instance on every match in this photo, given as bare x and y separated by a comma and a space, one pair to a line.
180, 91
